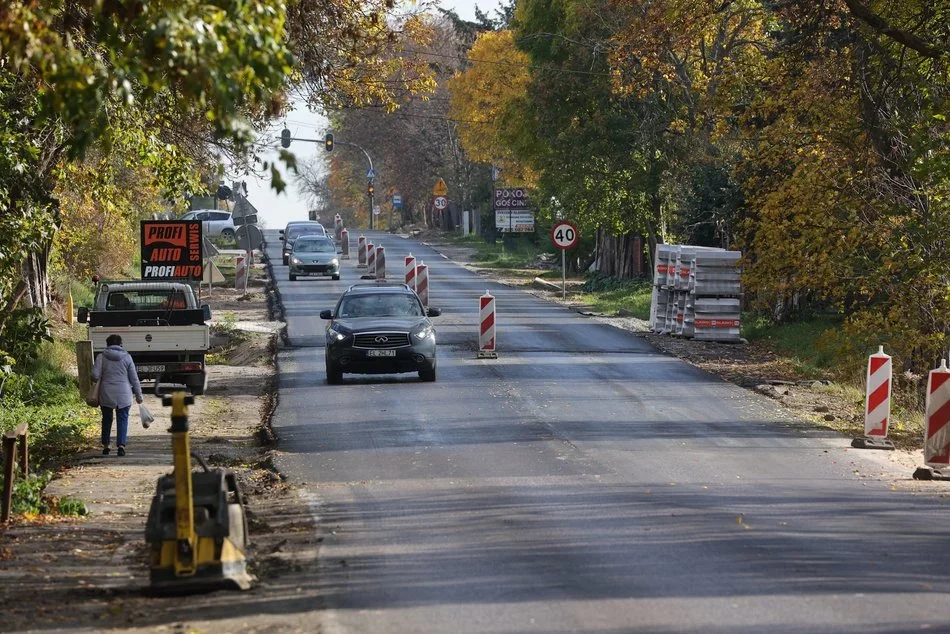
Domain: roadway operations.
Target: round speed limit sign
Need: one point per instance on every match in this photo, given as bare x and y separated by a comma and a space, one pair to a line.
441, 202
564, 235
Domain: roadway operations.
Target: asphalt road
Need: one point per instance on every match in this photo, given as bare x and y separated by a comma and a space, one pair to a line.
583, 482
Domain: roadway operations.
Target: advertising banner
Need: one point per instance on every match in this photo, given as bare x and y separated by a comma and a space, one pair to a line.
514, 221
171, 250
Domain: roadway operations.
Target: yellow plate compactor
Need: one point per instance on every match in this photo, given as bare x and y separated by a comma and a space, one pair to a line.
196, 526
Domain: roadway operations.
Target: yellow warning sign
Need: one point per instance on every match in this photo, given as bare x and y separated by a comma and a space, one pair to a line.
440, 189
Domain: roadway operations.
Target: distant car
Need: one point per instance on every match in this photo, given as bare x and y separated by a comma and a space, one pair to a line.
314, 255
380, 328
298, 228
214, 223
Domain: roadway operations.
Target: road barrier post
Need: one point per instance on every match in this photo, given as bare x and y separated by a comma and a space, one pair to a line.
422, 283
240, 273
486, 331
370, 261
361, 252
338, 226
380, 262
411, 271
877, 403
937, 426
345, 241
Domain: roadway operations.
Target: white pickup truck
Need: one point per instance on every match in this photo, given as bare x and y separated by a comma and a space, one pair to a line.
161, 325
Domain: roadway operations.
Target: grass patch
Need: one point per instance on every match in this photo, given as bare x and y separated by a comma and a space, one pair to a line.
796, 341
611, 296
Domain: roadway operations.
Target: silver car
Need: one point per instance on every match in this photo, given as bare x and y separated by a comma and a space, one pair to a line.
314, 255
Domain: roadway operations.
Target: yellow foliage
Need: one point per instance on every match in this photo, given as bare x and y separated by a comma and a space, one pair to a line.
497, 76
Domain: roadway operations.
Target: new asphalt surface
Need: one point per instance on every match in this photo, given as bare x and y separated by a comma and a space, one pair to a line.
584, 482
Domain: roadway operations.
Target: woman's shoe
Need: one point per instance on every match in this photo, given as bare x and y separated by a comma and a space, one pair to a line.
121, 451
105, 451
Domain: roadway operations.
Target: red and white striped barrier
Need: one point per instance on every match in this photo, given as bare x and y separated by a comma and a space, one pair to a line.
345, 241
937, 423
380, 262
240, 273
486, 327
338, 225
877, 403
422, 283
877, 410
371, 258
411, 271
361, 252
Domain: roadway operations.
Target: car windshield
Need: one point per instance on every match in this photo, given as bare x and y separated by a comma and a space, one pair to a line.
314, 245
294, 232
379, 305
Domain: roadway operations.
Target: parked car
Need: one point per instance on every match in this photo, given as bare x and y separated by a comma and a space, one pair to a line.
314, 255
214, 223
297, 228
380, 328
162, 326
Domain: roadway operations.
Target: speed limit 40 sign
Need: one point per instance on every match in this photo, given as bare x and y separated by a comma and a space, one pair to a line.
564, 235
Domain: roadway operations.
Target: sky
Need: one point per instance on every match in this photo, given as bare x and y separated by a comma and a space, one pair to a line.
275, 209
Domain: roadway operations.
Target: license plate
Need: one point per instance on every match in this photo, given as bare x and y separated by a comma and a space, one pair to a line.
380, 353
150, 369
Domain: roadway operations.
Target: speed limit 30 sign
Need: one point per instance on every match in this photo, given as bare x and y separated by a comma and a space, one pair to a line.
564, 235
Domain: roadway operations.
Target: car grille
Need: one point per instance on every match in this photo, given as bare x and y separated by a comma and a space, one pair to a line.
316, 268
375, 340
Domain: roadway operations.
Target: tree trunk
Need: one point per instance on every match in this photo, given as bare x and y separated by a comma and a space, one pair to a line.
35, 268
619, 256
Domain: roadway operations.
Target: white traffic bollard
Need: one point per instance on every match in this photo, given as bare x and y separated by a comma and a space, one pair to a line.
877, 403
338, 225
380, 262
486, 329
345, 242
361, 252
411, 271
422, 283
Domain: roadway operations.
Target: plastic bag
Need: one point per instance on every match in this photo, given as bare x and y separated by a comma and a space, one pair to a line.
145, 415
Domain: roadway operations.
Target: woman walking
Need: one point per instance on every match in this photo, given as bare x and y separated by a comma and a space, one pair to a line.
119, 381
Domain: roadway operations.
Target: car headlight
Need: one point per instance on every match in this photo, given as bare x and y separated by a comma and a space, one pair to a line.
295, 260
423, 332
336, 333
334, 261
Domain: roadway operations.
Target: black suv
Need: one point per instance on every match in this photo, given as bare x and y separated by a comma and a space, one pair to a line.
380, 328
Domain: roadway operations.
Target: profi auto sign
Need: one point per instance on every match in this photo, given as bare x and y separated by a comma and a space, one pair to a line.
171, 250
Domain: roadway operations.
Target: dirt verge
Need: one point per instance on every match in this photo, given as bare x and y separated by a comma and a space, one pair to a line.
91, 573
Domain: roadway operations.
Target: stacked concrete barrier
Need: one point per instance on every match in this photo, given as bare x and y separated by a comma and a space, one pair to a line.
717, 289
697, 293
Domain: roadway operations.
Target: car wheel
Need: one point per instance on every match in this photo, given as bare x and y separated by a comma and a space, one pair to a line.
335, 277
428, 374
293, 278
334, 374
228, 234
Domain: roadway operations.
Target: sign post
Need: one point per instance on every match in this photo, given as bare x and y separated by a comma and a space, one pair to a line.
564, 236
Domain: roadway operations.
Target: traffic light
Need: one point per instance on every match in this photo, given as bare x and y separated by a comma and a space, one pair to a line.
285, 138
329, 141
370, 189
